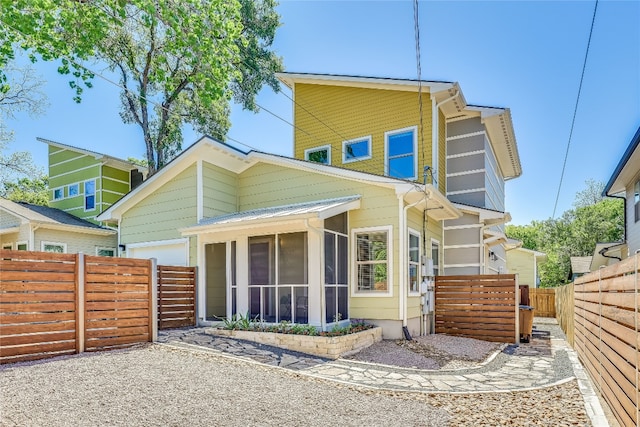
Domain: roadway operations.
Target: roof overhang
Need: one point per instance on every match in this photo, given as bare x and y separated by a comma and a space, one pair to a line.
486, 216
626, 170
291, 79
493, 238
9, 230
319, 209
604, 253
427, 197
75, 229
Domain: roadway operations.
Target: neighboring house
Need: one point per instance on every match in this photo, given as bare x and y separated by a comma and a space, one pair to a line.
580, 265
377, 125
524, 262
286, 239
625, 183
84, 183
28, 227
606, 254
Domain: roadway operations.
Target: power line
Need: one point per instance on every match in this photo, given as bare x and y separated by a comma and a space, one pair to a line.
575, 109
416, 30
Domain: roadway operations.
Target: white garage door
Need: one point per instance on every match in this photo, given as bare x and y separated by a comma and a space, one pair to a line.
166, 254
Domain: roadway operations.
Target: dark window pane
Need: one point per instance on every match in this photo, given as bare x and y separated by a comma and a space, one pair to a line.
413, 278
292, 259
329, 258
365, 277
400, 143
254, 302
414, 248
337, 223
302, 305
233, 301
89, 203
284, 297
269, 304
320, 156
343, 302
233, 263
261, 264
343, 260
330, 301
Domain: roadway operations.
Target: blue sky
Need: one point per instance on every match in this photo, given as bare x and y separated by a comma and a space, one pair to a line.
526, 56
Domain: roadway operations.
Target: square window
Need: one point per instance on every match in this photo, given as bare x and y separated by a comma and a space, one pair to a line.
73, 190
356, 150
58, 193
400, 153
319, 154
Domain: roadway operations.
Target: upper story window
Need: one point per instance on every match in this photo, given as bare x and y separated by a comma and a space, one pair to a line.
356, 149
89, 195
636, 200
319, 154
58, 193
73, 190
400, 147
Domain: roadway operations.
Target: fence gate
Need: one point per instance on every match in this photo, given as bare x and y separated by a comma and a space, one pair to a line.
543, 301
483, 307
176, 296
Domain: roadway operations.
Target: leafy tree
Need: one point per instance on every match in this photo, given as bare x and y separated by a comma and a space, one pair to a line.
34, 191
178, 62
591, 195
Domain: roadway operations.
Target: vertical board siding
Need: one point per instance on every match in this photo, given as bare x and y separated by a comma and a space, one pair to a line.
37, 305
564, 310
117, 294
176, 296
606, 334
481, 307
543, 301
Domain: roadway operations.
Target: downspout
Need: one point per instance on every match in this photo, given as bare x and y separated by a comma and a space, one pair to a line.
435, 151
32, 236
402, 255
624, 212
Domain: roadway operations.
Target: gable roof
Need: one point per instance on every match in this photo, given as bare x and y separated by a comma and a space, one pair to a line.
51, 217
497, 120
110, 160
237, 161
626, 169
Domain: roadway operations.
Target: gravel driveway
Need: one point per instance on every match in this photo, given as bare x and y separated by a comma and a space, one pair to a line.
157, 385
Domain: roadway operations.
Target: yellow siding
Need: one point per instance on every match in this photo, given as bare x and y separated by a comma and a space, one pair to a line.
522, 263
161, 214
76, 242
266, 185
9, 238
350, 113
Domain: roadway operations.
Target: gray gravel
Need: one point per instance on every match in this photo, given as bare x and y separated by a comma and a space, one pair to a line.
162, 386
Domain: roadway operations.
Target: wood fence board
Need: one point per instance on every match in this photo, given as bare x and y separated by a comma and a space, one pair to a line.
622, 283
36, 356
42, 276
38, 338
7, 351
109, 278
36, 256
36, 307
8, 319
6, 286
109, 269
117, 296
117, 323
115, 305
97, 343
42, 297
31, 328
116, 332
179, 323
116, 287
117, 314
8, 265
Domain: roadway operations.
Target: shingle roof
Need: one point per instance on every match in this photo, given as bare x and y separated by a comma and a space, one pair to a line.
46, 214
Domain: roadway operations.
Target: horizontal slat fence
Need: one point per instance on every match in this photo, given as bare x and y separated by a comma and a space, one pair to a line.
565, 310
38, 309
54, 304
483, 307
606, 335
118, 302
176, 296
543, 300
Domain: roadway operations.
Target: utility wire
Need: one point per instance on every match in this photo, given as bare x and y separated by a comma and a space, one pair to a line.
575, 110
416, 28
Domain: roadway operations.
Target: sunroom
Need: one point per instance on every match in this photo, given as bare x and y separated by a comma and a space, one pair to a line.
284, 263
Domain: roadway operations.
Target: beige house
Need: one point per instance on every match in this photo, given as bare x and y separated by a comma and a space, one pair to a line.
284, 239
28, 227
525, 262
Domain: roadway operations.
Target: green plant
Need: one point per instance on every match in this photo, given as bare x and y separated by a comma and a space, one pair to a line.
239, 322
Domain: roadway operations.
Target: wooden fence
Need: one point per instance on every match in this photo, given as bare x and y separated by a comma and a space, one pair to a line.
176, 296
483, 307
42, 315
565, 310
606, 335
543, 301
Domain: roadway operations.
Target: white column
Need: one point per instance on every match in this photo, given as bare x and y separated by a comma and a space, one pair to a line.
315, 261
242, 274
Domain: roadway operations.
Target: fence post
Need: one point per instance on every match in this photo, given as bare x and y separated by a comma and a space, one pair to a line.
196, 272
153, 300
80, 302
516, 301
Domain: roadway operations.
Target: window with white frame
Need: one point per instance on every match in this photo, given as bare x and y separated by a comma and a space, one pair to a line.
356, 149
59, 248
336, 261
435, 256
319, 154
106, 252
8, 246
89, 195
372, 271
400, 153
58, 193
278, 284
73, 190
414, 261
22, 246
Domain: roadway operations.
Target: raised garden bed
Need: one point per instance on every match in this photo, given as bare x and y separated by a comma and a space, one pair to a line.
331, 347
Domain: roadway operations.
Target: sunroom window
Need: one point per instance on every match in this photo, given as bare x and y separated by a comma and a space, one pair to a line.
336, 275
278, 284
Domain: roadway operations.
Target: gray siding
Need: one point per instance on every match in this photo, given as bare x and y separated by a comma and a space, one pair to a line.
461, 127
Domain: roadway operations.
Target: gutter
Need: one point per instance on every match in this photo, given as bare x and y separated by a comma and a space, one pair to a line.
402, 254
